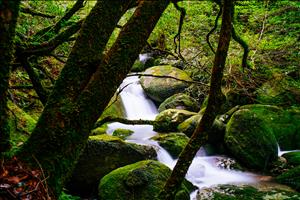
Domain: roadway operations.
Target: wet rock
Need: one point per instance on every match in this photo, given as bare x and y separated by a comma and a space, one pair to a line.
168, 120
142, 180
122, 133
250, 140
159, 89
180, 101
102, 155
172, 142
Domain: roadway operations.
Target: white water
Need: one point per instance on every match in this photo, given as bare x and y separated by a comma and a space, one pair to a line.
203, 171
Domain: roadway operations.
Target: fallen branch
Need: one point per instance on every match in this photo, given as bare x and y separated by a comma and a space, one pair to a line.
125, 121
33, 12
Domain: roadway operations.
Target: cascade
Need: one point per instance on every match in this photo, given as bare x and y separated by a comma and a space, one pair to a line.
203, 171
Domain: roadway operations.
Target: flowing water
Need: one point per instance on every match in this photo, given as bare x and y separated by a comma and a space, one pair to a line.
203, 171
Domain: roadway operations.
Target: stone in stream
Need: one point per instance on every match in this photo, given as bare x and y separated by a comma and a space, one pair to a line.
103, 154
180, 101
168, 120
172, 142
142, 180
247, 192
250, 140
160, 88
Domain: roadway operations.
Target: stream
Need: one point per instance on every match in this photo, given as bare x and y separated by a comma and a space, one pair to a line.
203, 171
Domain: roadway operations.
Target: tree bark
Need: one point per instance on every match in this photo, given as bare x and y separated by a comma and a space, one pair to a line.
86, 84
215, 99
8, 18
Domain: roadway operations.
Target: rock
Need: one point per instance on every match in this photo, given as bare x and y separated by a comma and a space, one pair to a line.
122, 133
280, 91
172, 142
114, 109
103, 154
284, 123
250, 140
142, 180
180, 101
245, 192
293, 158
159, 89
168, 120
216, 134
291, 178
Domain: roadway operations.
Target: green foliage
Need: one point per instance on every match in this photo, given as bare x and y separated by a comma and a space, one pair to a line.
65, 196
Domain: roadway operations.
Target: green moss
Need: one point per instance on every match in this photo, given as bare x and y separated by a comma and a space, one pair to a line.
250, 140
284, 123
160, 89
245, 192
106, 138
291, 178
293, 158
142, 180
179, 101
122, 133
168, 120
174, 143
115, 108
189, 125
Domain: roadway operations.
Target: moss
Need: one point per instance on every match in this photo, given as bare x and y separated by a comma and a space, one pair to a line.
293, 158
168, 120
245, 192
180, 101
103, 154
189, 125
291, 178
142, 180
250, 140
172, 142
160, 89
99, 131
284, 123
115, 108
122, 133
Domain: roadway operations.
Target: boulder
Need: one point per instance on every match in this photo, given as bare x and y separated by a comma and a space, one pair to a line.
172, 142
291, 178
159, 89
250, 140
216, 133
284, 123
246, 192
180, 101
103, 154
168, 120
142, 180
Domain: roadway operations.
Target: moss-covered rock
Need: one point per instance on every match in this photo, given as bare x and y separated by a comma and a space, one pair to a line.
158, 89
114, 108
293, 158
122, 133
216, 133
142, 180
172, 142
291, 178
180, 101
245, 192
168, 120
250, 140
284, 123
103, 154
99, 130
280, 91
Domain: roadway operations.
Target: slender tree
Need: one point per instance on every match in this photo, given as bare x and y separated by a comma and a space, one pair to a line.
86, 84
8, 18
215, 99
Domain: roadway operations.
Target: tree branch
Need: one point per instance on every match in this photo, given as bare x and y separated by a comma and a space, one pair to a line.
33, 12
124, 121
177, 36
48, 47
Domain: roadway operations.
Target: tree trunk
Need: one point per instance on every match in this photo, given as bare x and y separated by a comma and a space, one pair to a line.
215, 99
86, 84
8, 18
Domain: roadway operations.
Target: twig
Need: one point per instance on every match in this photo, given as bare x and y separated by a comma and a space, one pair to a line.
124, 121
32, 12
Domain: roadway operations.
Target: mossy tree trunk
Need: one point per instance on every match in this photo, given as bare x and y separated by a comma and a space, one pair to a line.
200, 135
8, 18
86, 84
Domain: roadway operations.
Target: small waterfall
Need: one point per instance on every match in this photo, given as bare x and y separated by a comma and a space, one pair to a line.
203, 171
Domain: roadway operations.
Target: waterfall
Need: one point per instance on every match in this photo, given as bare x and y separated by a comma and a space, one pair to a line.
203, 171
